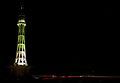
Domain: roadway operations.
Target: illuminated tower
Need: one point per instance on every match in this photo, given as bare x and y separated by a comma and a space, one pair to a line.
21, 50
20, 69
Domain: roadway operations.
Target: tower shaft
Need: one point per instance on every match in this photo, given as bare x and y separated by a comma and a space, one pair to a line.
21, 50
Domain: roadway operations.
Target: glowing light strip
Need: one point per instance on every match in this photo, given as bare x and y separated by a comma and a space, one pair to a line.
49, 77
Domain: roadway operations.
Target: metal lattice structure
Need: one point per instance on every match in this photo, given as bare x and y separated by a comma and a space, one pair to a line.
21, 50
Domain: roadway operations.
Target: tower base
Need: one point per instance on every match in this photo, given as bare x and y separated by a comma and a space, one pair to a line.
20, 72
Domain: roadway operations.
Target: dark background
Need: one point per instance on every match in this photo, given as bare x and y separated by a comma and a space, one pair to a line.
62, 37
108, 11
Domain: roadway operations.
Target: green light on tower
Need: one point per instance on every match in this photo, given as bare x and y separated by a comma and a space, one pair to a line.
21, 51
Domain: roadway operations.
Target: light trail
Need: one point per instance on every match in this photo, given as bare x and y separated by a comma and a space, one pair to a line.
54, 77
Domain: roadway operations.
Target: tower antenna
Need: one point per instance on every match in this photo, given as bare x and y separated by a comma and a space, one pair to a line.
21, 7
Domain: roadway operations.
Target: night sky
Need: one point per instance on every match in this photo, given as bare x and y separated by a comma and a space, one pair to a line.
108, 11
62, 37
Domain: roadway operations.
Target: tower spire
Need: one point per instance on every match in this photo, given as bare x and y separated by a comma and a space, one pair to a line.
21, 8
